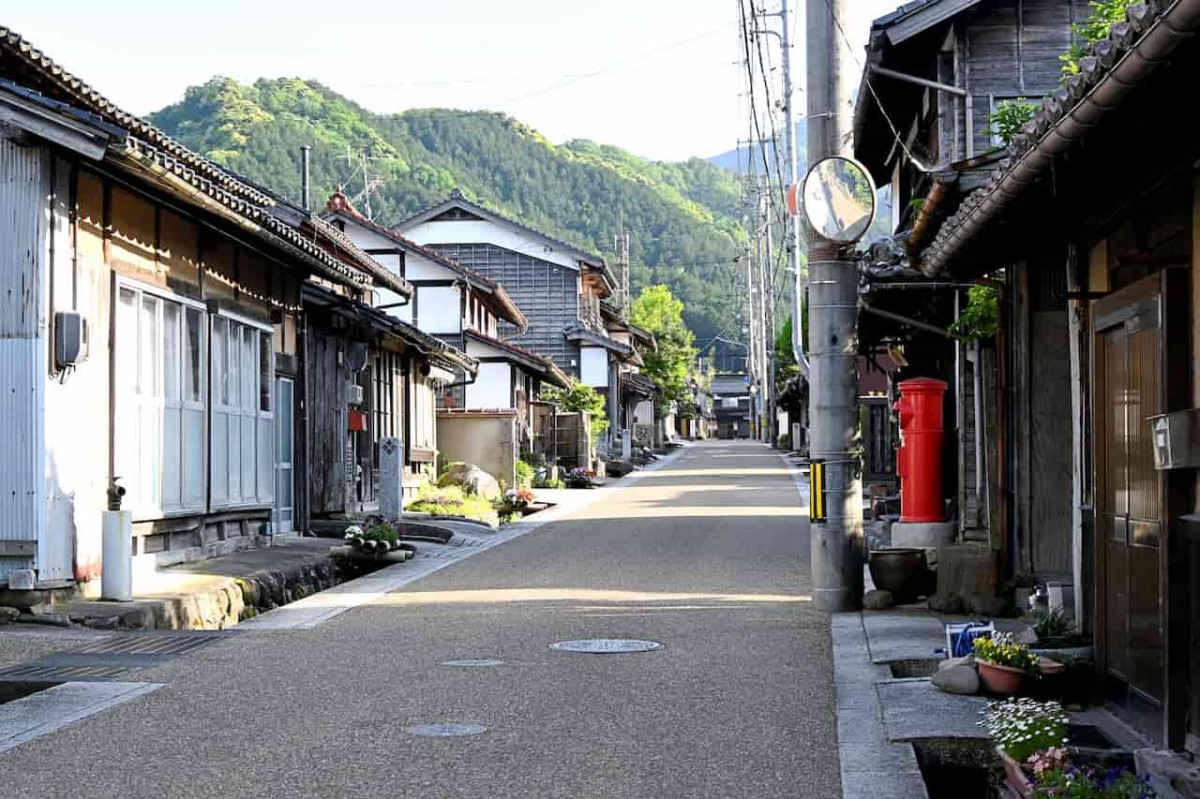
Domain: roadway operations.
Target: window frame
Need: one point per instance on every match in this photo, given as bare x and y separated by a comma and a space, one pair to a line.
148, 510
246, 405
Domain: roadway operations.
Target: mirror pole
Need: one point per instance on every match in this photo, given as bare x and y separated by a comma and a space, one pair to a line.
837, 541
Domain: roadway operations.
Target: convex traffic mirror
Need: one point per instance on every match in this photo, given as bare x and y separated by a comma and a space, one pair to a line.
839, 199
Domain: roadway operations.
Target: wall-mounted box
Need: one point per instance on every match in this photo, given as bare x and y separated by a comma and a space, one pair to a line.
1176, 439
70, 339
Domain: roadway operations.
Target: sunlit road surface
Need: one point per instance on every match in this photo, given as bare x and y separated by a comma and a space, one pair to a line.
708, 557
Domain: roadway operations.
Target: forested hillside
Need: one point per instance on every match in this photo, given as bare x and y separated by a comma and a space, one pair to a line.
681, 216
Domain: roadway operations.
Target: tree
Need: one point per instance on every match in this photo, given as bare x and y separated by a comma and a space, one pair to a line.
579, 397
657, 311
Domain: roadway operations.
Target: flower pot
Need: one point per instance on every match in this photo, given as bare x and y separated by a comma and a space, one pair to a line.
1015, 778
900, 570
1003, 680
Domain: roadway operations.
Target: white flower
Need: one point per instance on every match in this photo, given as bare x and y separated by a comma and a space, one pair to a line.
353, 530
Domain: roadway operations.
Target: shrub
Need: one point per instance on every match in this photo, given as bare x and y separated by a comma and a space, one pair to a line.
453, 501
1006, 121
1022, 727
524, 475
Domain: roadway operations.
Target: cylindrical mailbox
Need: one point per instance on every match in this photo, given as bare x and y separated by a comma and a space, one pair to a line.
919, 461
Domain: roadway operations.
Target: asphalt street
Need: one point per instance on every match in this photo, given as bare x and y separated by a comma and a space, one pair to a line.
707, 556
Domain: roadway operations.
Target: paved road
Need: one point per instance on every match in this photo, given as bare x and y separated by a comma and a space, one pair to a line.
708, 556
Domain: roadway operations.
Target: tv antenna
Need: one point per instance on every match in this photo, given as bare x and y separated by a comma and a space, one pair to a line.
361, 168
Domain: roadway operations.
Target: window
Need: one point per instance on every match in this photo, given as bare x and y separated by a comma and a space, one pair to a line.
242, 437
424, 415
158, 435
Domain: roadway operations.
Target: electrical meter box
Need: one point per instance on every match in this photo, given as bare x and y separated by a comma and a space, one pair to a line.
70, 338
1176, 439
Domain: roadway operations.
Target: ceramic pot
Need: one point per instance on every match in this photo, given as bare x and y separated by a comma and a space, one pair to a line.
902, 571
1003, 680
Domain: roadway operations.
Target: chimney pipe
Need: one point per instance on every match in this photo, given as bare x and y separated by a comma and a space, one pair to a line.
305, 154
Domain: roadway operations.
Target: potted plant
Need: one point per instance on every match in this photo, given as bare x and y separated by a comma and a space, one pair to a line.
579, 477
1003, 663
1054, 775
1021, 728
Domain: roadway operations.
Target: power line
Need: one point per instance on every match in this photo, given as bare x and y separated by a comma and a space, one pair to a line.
616, 66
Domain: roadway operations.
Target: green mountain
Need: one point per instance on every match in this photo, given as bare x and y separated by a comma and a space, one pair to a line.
681, 216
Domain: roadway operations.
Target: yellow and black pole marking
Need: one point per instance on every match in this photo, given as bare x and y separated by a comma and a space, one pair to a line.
816, 491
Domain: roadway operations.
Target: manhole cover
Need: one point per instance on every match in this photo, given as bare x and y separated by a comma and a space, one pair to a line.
445, 730
474, 662
606, 646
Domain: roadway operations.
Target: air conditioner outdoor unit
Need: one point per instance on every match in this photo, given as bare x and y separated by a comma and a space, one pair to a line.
354, 394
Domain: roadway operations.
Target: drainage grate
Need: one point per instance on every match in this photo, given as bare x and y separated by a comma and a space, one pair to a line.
154, 644
445, 730
113, 658
606, 646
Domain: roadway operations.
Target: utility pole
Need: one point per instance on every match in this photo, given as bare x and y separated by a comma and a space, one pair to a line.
624, 292
837, 542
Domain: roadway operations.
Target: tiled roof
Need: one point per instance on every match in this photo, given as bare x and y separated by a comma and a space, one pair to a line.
543, 363
338, 203
457, 198
149, 148
1159, 25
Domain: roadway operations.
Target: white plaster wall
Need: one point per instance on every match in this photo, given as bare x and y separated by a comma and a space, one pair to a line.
643, 413
593, 366
493, 387
439, 309
418, 267
484, 232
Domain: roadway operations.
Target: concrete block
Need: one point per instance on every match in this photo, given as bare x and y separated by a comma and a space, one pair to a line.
1169, 774
923, 534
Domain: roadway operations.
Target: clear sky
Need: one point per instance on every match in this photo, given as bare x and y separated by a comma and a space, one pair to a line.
658, 77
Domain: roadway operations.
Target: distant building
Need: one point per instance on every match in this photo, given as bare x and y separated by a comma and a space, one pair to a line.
731, 400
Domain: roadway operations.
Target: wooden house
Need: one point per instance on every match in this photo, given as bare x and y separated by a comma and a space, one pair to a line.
463, 308
936, 72
151, 314
1090, 224
559, 287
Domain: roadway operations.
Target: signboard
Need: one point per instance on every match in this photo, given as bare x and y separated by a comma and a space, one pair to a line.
816, 491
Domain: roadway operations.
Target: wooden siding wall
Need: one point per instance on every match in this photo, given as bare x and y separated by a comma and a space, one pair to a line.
1043, 421
1011, 50
327, 424
547, 293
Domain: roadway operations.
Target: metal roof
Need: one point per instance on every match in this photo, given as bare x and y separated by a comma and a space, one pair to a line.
918, 16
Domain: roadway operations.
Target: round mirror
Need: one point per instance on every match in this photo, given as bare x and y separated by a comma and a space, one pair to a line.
839, 199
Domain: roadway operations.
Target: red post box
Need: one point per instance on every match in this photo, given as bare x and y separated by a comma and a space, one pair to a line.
919, 461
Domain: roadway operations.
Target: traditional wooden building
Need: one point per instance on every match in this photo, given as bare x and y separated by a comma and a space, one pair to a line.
463, 308
150, 313
559, 287
1090, 223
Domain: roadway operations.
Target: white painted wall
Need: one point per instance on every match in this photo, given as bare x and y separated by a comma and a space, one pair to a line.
439, 309
493, 387
643, 413
484, 232
593, 366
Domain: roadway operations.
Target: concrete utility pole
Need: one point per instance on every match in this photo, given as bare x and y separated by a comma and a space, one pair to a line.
837, 542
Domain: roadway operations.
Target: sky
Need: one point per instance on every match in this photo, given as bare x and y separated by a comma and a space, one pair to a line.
657, 77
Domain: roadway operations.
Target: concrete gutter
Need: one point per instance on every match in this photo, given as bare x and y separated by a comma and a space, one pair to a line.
1119, 64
